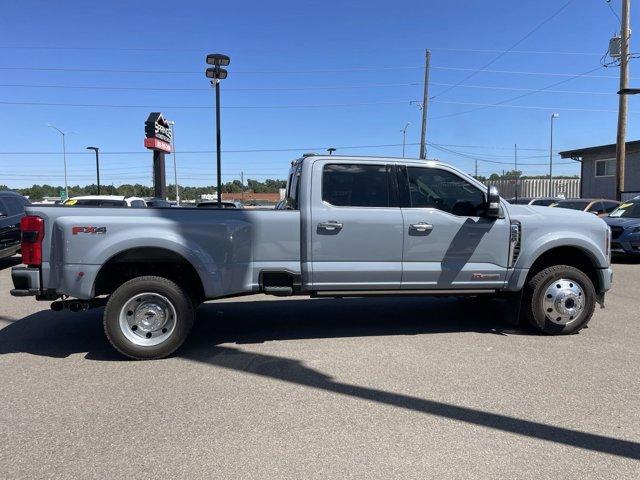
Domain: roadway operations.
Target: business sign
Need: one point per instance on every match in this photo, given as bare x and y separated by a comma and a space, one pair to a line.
158, 133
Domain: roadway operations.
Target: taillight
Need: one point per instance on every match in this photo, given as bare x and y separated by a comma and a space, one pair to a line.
32, 229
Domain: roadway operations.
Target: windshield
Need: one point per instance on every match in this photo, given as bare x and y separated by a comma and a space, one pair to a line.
627, 210
573, 204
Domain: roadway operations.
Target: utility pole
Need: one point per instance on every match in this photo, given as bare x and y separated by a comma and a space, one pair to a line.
242, 182
622, 105
404, 137
515, 160
425, 103
476, 177
553, 115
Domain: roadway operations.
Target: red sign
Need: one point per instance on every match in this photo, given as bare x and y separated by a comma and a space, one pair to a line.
157, 144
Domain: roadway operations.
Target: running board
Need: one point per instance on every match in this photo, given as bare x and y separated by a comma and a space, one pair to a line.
367, 293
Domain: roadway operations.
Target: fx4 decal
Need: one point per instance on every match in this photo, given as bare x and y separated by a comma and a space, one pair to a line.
91, 230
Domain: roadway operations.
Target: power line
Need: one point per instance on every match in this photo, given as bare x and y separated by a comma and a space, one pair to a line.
203, 107
522, 52
520, 72
481, 159
503, 102
284, 89
501, 54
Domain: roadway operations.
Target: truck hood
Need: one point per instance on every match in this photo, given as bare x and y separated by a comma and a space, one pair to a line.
557, 216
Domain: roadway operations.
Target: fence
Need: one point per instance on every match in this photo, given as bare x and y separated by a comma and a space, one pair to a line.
538, 187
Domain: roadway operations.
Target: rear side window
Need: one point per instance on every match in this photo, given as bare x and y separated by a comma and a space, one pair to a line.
436, 188
138, 204
543, 202
353, 185
3, 209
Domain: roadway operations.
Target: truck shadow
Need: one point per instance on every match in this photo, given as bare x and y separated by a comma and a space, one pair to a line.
55, 334
60, 334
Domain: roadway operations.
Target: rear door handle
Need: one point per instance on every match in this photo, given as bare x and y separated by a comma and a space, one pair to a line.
330, 225
421, 227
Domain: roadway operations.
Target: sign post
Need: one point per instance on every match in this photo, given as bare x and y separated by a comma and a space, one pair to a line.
158, 139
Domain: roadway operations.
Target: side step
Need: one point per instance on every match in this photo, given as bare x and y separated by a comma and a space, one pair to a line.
278, 291
373, 293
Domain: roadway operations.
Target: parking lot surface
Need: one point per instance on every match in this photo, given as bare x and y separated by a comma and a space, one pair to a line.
325, 388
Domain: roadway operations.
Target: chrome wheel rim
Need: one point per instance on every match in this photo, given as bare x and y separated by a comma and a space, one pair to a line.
148, 319
563, 301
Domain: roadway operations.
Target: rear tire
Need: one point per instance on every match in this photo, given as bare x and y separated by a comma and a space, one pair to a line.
559, 300
148, 318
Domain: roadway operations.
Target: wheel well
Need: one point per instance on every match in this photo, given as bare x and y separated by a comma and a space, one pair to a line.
137, 262
572, 256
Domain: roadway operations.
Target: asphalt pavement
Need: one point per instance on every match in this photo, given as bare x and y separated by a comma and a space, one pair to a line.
324, 389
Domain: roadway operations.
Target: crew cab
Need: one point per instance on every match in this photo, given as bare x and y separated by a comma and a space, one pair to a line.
350, 226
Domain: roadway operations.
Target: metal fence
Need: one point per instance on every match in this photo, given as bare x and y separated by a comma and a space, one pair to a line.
538, 187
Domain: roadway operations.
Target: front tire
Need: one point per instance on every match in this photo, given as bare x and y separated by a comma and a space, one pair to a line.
559, 300
148, 318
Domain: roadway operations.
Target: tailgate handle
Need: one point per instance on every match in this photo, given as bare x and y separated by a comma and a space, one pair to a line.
330, 226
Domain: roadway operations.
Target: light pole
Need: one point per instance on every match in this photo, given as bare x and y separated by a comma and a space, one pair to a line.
64, 157
404, 137
553, 115
216, 74
95, 149
331, 150
175, 164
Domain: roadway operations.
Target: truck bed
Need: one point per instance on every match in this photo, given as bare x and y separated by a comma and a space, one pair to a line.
227, 247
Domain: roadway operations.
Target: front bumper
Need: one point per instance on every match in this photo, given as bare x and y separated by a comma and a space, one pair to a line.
605, 279
625, 245
26, 281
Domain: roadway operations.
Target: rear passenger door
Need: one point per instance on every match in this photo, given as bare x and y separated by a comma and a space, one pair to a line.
448, 242
356, 226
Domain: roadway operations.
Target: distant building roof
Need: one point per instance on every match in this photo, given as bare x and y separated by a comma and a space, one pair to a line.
580, 152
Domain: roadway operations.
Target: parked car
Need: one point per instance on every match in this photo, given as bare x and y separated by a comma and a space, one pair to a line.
158, 203
598, 206
540, 201
224, 204
11, 211
352, 226
105, 201
624, 223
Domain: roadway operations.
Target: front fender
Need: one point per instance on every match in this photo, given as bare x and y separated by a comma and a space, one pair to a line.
533, 250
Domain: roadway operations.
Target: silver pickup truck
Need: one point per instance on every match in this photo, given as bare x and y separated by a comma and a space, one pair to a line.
350, 226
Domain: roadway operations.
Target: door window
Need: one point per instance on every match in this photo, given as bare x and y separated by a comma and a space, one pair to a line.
436, 188
355, 185
13, 205
3, 209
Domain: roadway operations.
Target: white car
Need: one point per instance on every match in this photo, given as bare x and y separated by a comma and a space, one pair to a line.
106, 201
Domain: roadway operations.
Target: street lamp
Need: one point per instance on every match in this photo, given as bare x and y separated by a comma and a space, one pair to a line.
64, 157
175, 164
216, 74
404, 137
331, 150
95, 149
553, 115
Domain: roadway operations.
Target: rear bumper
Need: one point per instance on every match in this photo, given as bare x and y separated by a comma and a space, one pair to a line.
26, 281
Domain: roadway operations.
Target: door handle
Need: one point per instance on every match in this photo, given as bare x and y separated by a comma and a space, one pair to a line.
330, 225
421, 227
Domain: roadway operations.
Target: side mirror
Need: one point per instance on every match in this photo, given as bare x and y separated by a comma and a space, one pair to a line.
493, 202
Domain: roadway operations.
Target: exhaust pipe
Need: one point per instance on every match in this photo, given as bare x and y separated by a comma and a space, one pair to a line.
77, 306
58, 306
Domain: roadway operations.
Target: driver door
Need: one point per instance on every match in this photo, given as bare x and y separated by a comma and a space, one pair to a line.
448, 242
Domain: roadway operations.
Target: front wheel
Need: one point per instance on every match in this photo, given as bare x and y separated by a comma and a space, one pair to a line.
148, 317
559, 300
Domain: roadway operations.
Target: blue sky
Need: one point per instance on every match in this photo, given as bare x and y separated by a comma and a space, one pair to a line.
291, 55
